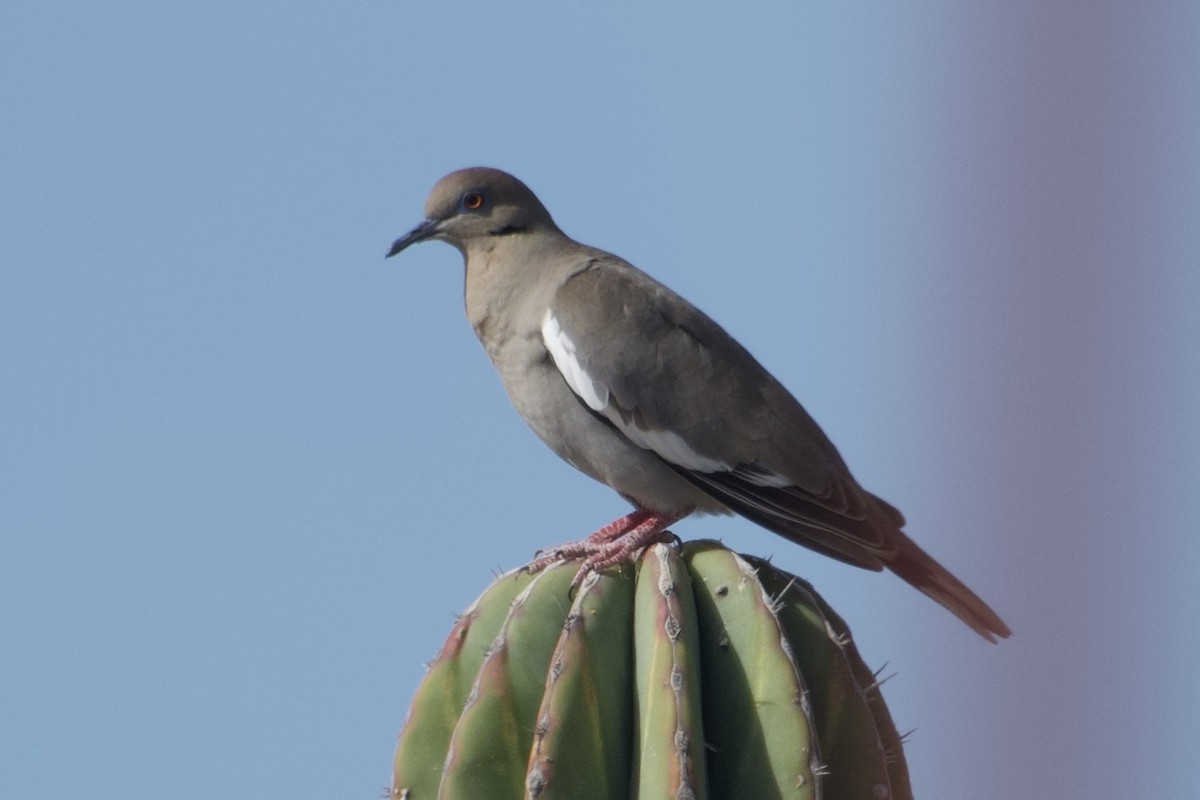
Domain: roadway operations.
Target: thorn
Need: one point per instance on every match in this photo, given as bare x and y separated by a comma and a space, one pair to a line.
841, 639
874, 687
776, 605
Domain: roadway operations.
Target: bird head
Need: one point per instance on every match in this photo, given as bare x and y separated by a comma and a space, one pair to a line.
476, 204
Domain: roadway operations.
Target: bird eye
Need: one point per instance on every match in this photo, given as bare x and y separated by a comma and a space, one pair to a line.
472, 201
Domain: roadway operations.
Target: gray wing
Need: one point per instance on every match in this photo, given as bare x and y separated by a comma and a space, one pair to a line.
674, 382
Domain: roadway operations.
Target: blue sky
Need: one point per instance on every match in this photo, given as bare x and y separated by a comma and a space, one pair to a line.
249, 470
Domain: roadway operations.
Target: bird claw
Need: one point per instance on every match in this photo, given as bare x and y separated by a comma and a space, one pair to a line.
607, 547
616, 542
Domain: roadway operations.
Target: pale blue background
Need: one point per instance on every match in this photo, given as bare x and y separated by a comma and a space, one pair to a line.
249, 470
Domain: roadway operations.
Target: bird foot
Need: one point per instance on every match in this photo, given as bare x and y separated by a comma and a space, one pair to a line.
612, 544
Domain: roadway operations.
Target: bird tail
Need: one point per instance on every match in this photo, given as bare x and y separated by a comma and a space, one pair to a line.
919, 568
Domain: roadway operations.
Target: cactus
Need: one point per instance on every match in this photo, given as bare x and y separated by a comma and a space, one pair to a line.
694, 673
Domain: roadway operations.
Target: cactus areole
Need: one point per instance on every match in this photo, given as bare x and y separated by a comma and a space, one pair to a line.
692, 673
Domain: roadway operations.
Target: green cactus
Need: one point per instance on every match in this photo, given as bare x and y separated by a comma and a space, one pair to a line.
696, 673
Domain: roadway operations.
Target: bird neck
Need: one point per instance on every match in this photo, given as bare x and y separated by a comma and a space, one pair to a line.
503, 288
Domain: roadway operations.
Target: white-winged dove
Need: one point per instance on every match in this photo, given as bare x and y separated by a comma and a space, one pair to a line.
639, 389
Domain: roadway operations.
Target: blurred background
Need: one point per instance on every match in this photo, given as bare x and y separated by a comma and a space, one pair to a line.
249, 471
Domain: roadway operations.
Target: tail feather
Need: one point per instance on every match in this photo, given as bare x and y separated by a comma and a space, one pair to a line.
918, 568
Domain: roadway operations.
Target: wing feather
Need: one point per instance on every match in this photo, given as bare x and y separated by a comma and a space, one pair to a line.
674, 382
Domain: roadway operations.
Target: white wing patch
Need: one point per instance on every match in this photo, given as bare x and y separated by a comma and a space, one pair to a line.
671, 446
562, 349
667, 444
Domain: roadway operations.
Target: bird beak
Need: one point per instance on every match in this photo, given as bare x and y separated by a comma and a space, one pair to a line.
426, 230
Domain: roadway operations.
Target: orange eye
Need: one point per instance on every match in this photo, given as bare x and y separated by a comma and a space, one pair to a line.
472, 201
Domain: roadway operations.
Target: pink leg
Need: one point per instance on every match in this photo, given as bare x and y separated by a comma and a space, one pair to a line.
612, 544
583, 547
